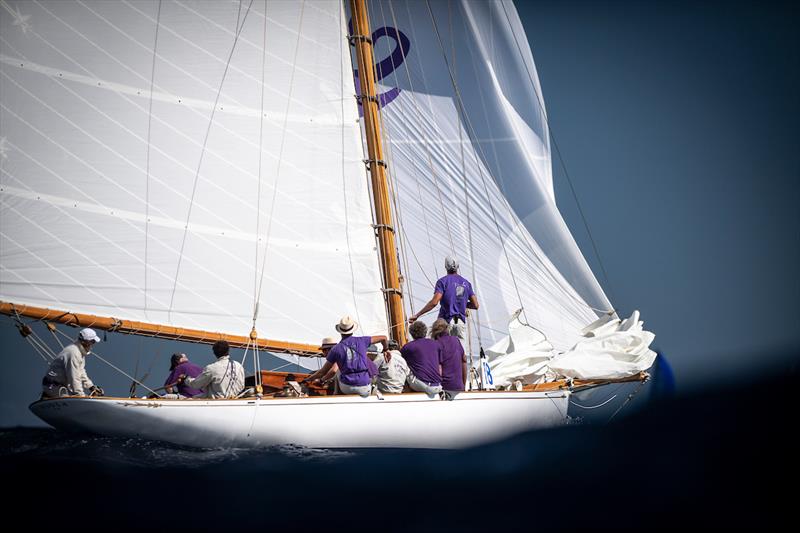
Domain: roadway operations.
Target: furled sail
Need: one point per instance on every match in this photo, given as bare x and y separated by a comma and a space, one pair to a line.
469, 153
177, 162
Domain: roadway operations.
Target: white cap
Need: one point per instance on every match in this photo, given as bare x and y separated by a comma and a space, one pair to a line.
450, 264
88, 334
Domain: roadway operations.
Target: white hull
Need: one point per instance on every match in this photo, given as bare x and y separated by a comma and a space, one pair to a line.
397, 421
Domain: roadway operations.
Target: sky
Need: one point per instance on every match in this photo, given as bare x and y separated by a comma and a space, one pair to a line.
675, 122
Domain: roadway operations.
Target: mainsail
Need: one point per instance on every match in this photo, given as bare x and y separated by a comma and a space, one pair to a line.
177, 163
200, 165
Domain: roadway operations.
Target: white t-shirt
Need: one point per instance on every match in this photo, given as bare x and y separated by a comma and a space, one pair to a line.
392, 375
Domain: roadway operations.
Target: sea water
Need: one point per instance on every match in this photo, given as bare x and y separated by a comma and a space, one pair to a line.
716, 459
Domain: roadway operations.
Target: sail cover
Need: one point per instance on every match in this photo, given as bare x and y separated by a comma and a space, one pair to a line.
469, 155
176, 162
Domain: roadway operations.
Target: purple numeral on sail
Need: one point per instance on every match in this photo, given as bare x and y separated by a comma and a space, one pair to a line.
387, 65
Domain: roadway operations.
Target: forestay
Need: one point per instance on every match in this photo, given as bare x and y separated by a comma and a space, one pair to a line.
145, 176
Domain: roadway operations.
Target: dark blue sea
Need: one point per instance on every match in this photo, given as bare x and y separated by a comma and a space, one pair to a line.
725, 458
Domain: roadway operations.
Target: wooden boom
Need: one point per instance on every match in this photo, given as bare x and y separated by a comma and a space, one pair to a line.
154, 330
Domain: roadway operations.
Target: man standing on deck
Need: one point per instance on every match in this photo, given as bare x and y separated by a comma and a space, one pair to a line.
67, 373
456, 296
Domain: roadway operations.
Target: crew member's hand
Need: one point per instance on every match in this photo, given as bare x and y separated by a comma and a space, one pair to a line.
181, 378
412, 319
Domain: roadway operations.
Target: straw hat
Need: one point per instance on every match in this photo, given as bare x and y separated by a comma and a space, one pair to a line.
327, 342
346, 325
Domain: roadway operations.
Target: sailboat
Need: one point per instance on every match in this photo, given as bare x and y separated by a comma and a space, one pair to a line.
253, 170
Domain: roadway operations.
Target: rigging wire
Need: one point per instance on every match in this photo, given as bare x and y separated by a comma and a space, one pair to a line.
394, 185
427, 147
147, 166
200, 162
280, 153
560, 158
343, 66
256, 358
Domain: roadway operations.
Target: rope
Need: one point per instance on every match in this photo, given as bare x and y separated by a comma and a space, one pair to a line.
200, 162
124, 373
594, 406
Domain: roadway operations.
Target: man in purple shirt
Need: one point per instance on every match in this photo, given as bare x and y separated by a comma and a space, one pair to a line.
454, 361
455, 296
356, 370
180, 365
423, 357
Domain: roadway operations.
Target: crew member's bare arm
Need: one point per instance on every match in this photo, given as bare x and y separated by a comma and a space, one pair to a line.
437, 297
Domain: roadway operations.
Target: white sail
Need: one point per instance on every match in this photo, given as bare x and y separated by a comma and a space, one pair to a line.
144, 177
477, 182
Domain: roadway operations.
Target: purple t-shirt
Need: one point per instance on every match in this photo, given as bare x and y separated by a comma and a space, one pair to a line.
456, 292
191, 370
423, 357
355, 368
452, 359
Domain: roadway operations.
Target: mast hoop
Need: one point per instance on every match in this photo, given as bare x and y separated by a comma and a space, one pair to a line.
379, 162
352, 39
384, 227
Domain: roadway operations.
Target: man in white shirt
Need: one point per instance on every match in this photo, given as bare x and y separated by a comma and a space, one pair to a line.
66, 375
224, 378
392, 368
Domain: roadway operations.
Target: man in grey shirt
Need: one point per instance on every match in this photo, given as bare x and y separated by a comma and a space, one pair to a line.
392, 368
66, 375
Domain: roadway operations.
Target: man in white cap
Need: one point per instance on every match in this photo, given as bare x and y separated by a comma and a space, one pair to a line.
356, 370
67, 373
455, 295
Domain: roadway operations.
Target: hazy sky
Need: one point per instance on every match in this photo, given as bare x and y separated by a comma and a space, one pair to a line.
676, 123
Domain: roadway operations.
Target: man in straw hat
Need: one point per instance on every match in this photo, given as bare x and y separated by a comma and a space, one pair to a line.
350, 356
66, 375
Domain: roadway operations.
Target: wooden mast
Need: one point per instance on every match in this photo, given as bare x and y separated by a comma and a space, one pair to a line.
377, 166
153, 330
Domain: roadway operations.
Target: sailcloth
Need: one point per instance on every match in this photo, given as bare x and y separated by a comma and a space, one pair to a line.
177, 162
469, 154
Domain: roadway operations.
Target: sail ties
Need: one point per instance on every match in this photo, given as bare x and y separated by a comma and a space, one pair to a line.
367, 97
353, 39
387, 227
379, 162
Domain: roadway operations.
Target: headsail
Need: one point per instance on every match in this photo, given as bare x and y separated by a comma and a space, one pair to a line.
470, 155
145, 177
